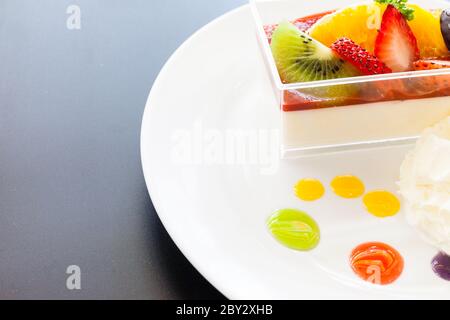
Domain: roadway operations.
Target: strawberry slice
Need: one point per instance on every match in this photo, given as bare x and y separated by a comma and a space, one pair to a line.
396, 44
303, 24
269, 29
364, 61
430, 64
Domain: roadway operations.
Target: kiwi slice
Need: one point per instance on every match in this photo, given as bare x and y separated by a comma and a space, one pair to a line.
300, 58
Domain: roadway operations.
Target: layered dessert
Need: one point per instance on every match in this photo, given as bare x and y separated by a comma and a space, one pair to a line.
368, 72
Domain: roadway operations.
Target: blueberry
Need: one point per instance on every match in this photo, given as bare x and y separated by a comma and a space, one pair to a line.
441, 265
445, 26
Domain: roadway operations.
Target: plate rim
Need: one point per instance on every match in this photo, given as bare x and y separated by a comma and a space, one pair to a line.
147, 178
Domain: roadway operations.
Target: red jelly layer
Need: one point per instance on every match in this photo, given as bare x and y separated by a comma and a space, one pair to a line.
367, 92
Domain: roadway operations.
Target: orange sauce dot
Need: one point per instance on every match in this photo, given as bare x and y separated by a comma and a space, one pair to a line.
348, 187
377, 263
382, 203
309, 189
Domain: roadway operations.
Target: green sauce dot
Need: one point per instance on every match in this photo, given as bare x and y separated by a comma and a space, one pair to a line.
294, 229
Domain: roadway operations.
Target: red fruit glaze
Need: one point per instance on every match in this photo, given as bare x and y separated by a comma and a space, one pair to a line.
431, 64
396, 44
377, 263
364, 61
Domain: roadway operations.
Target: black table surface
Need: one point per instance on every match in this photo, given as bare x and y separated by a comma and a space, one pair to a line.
72, 190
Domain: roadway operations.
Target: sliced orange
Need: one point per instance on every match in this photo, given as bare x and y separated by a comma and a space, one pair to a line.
426, 26
359, 23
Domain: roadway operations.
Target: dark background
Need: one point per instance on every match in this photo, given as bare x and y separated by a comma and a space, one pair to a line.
71, 183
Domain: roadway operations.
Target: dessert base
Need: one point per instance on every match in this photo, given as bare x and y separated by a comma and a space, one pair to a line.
331, 129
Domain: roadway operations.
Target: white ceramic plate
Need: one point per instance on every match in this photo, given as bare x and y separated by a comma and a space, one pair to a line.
215, 207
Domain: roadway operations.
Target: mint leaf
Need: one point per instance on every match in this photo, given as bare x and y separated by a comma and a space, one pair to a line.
400, 5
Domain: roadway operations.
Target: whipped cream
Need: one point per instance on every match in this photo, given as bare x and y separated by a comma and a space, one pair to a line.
425, 185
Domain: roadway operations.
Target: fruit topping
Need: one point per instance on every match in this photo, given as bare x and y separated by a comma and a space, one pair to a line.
431, 64
303, 24
427, 30
300, 58
445, 26
364, 61
396, 44
359, 23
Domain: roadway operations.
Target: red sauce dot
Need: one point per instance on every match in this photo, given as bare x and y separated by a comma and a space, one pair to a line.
377, 263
